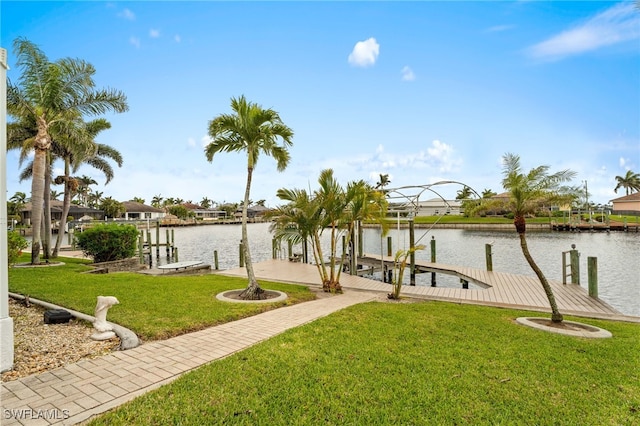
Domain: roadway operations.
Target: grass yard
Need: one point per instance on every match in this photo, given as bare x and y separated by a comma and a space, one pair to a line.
154, 307
422, 364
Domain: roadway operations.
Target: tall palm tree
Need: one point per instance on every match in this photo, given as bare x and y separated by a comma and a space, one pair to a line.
205, 203
526, 192
255, 130
52, 94
630, 182
81, 148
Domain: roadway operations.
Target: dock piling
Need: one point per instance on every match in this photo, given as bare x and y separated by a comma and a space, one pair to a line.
488, 257
592, 272
215, 259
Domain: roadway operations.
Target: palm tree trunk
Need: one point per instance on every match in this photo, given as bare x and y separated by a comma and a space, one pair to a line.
37, 199
46, 229
556, 316
66, 205
253, 290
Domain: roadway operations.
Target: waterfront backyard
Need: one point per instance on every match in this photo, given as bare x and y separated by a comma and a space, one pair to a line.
373, 363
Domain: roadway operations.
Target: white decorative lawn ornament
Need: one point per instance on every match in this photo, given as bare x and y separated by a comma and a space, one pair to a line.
105, 330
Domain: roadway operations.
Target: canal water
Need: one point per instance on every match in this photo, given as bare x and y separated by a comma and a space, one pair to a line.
617, 253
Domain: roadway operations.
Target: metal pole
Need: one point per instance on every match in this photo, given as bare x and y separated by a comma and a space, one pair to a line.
6, 322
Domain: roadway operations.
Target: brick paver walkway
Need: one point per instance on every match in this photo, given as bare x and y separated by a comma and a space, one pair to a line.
74, 393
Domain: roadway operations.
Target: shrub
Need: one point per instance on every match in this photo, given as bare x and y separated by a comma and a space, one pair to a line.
107, 242
15, 244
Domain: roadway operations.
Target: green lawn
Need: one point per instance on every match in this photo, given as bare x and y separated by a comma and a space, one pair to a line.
154, 307
412, 364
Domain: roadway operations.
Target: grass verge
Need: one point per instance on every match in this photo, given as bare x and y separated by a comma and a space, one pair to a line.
154, 307
421, 364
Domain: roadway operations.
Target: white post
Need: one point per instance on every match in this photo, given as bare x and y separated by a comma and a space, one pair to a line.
6, 322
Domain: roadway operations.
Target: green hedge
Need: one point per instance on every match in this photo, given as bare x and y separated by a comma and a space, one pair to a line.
107, 242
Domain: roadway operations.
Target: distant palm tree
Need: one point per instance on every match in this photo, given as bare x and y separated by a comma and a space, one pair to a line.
156, 201
205, 203
487, 193
630, 182
254, 130
384, 181
84, 188
50, 94
464, 193
138, 200
526, 192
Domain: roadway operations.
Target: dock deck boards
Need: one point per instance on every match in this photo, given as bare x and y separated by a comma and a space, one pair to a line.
505, 289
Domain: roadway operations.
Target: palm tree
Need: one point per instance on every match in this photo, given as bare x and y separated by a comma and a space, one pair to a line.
79, 147
156, 201
630, 182
253, 129
526, 192
331, 207
52, 94
205, 203
84, 189
138, 200
384, 181
464, 193
487, 193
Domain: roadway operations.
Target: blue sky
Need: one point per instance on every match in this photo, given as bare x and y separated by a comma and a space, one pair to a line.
421, 91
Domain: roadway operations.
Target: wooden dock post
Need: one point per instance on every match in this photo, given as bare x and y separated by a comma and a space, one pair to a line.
167, 246
175, 254
412, 255
141, 247
360, 239
488, 257
592, 271
173, 244
389, 247
215, 259
241, 250
433, 260
157, 240
575, 265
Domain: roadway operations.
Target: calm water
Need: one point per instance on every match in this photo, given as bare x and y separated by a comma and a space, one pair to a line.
618, 253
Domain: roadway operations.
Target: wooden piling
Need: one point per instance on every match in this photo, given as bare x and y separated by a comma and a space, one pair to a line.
412, 254
592, 272
433, 260
389, 247
157, 240
488, 257
215, 259
574, 257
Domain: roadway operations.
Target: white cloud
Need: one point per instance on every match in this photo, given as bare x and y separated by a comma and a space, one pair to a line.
127, 14
617, 24
177, 38
135, 41
154, 33
407, 74
365, 53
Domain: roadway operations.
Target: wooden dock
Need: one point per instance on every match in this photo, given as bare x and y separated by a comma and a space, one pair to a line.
503, 289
